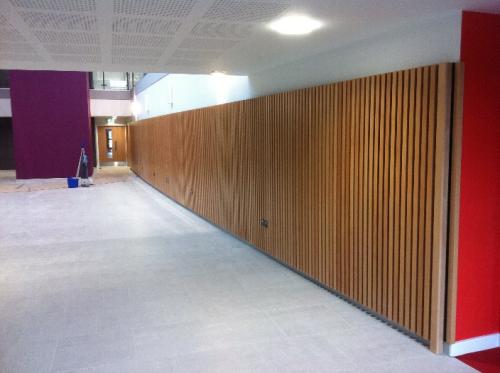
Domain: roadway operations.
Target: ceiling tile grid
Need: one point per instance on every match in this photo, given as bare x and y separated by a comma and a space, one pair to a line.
245, 11
143, 29
136, 52
134, 40
58, 21
176, 62
192, 35
138, 32
16, 48
196, 54
56, 5
19, 57
13, 46
204, 44
154, 8
90, 59
134, 61
129, 25
66, 37
10, 34
222, 30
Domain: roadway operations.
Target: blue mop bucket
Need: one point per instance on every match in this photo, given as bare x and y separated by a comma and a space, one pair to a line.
72, 182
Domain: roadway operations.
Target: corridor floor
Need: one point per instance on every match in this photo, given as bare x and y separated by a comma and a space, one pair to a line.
118, 278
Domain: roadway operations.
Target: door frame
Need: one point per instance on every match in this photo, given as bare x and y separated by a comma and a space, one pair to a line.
97, 126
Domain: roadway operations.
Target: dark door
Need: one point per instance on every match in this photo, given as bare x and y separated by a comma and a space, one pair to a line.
6, 145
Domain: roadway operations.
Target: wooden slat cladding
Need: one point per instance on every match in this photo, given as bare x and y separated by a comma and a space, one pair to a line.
351, 178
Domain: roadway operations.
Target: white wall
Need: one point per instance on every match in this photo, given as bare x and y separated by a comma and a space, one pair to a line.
108, 108
5, 108
427, 42
180, 92
98, 108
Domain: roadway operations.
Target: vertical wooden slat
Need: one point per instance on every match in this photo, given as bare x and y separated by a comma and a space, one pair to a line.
367, 259
440, 226
456, 159
369, 183
409, 199
380, 210
391, 186
429, 208
399, 250
386, 308
373, 195
356, 211
403, 200
422, 303
415, 258
363, 196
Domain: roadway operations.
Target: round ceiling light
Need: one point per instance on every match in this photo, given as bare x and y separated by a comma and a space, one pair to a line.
295, 25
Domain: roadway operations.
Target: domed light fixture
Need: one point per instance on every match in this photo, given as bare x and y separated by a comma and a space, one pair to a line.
295, 24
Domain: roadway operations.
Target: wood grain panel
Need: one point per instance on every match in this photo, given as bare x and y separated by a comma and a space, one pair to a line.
346, 183
455, 173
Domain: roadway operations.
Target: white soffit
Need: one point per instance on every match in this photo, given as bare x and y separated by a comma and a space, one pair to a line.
193, 36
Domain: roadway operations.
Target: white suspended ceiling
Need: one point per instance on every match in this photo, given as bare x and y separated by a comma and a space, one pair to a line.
193, 36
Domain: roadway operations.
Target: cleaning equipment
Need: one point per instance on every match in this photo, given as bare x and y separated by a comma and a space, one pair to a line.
73, 182
83, 168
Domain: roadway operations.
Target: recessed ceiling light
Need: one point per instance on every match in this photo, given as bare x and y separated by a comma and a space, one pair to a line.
218, 73
295, 25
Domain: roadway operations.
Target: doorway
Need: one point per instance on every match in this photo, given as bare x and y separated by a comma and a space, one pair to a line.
112, 145
6, 145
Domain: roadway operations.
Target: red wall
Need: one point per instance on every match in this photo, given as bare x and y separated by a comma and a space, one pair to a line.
478, 306
51, 118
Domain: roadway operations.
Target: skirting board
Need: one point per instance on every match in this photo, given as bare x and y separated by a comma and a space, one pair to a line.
476, 344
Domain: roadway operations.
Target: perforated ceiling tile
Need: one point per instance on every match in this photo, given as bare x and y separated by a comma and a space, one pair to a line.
57, 5
157, 8
218, 44
138, 40
72, 49
136, 52
184, 62
76, 58
20, 57
222, 30
16, 48
135, 61
245, 11
196, 54
9, 34
3, 21
56, 21
64, 37
145, 26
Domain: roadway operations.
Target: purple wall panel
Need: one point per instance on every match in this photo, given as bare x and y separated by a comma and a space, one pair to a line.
51, 118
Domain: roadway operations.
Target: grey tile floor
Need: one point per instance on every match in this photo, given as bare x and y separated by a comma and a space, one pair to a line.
118, 278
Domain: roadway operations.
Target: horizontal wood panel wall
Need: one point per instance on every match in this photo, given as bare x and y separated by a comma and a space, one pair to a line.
349, 176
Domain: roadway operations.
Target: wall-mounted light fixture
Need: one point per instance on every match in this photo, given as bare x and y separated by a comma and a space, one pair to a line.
135, 108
